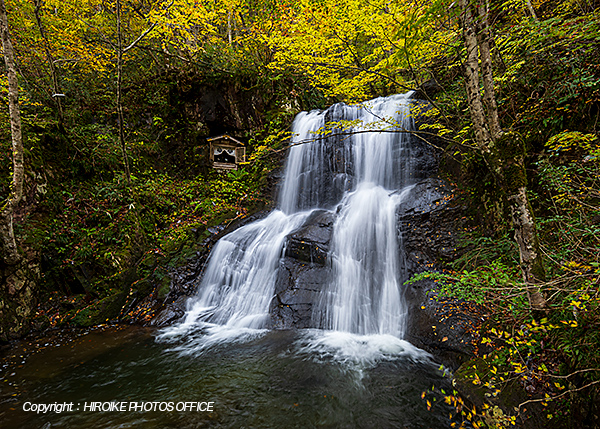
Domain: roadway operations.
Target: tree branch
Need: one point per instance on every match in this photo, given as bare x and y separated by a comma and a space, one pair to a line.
146, 32
558, 396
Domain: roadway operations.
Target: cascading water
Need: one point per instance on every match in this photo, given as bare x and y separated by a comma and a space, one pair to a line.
350, 159
364, 294
354, 371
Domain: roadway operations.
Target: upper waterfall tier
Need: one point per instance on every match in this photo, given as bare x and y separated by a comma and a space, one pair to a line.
334, 150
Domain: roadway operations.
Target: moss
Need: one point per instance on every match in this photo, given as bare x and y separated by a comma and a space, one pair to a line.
164, 287
510, 153
97, 313
514, 177
511, 145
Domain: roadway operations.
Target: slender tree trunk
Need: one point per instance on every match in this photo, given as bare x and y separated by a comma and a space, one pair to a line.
229, 27
487, 76
531, 9
120, 95
503, 152
7, 236
50, 59
483, 137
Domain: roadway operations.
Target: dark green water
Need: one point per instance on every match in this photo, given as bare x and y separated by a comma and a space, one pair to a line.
272, 380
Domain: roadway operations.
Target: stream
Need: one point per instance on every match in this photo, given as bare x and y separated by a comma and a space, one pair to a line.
271, 379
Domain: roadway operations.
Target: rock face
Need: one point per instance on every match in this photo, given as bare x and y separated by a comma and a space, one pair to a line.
297, 288
428, 224
310, 243
217, 107
303, 271
17, 297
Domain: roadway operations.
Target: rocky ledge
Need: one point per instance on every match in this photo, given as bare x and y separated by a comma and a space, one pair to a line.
427, 224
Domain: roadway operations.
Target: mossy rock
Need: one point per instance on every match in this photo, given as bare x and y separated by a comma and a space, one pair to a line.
164, 287
99, 312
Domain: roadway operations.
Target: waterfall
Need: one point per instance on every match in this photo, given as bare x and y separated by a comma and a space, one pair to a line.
237, 286
364, 295
362, 145
355, 161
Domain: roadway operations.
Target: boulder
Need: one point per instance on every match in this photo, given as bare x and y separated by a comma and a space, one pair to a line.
297, 289
310, 243
303, 271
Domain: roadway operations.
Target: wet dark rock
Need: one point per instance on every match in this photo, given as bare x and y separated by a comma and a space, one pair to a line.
330, 176
428, 221
427, 225
171, 313
216, 229
303, 272
298, 288
424, 160
426, 196
310, 243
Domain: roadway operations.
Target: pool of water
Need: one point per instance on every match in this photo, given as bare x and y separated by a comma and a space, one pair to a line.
264, 379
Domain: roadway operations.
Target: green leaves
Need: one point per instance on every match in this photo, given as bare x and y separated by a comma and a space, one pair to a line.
487, 285
573, 140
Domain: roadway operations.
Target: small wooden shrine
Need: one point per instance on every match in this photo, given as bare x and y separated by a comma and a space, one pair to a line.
226, 153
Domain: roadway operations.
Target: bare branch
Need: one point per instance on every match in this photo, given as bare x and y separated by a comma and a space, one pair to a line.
574, 373
145, 33
558, 396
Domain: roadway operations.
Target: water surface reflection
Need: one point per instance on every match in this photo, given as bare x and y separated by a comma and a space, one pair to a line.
273, 379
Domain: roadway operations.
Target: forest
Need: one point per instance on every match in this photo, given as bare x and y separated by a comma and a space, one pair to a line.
107, 187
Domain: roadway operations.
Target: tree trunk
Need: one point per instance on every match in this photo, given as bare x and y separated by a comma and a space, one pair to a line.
120, 95
9, 244
487, 76
504, 153
532, 267
531, 10
50, 59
